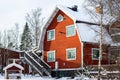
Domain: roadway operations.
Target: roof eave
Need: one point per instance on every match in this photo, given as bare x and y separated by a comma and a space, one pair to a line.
45, 26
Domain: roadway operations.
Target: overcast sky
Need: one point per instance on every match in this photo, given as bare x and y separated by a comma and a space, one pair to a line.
14, 11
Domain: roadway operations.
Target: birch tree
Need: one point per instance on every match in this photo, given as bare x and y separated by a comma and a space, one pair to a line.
35, 21
110, 12
15, 34
1, 39
111, 9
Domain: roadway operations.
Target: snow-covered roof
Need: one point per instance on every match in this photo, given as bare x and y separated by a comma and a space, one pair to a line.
91, 33
81, 14
13, 64
11, 50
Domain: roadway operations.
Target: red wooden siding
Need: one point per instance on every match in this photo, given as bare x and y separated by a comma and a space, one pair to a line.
61, 43
6, 54
88, 54
13, 68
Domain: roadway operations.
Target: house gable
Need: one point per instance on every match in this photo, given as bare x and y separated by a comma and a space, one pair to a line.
13, 66
62, 43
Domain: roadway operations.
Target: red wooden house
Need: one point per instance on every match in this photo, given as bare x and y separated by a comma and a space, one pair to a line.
70, 40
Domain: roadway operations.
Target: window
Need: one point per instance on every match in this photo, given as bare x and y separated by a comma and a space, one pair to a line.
60, 18
95, 53
115, 33
51, 56
70, 31
71, 53
116, 38
114, 54
51, 35
10, 61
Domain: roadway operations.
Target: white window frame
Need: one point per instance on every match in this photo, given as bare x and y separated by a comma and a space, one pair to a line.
74, 30
60, 19
93, 54
53, 37
54, 56
67, 53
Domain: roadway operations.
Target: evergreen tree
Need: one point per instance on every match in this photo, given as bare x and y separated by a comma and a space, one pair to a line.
26, 39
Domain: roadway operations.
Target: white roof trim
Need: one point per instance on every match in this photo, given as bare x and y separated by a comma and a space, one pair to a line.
70, 15
47, 23
13, 64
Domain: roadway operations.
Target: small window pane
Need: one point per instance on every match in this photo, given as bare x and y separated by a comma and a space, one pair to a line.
10, 61
71, 54
70, 31
95, 54
116, 38
59, 18
51, 56
51, 35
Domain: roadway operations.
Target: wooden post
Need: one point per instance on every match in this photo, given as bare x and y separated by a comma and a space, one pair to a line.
6, 74
56, 68
20, 73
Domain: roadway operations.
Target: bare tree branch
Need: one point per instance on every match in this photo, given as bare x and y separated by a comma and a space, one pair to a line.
36, 21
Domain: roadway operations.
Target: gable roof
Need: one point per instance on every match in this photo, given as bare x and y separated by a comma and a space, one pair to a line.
80, 15
88, 35
13, 64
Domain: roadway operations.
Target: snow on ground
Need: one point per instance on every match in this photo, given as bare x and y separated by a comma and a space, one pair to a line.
30, 77
37, 77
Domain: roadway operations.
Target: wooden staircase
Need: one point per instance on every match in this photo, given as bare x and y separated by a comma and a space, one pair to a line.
37, 63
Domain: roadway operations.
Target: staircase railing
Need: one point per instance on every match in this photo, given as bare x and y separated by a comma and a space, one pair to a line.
87, 71
43, 63
37, 63
33, 63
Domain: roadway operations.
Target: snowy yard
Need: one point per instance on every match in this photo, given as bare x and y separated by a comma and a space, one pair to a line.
37, 77
30, 77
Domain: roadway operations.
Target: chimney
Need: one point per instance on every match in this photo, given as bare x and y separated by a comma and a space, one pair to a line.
75, 8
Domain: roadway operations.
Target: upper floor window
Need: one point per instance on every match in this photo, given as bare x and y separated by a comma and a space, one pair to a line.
95, 53
51, 56
51, 35
70, 30
71, 53
60, 18
114, 54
